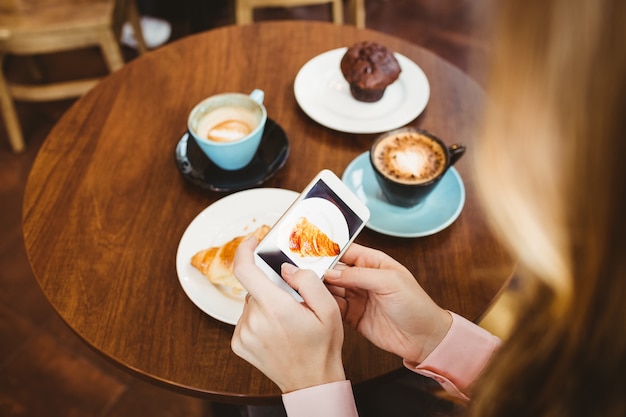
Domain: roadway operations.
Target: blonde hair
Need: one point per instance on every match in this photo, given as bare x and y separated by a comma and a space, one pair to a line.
551, 169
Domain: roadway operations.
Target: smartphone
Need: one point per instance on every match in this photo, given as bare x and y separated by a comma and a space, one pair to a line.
315, 230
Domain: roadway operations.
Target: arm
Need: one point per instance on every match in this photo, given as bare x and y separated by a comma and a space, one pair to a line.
329, 400
382, 300
460, 357
296, 345
455, 364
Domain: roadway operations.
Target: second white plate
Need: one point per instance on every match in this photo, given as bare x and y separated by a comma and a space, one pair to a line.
234, 215
324, 95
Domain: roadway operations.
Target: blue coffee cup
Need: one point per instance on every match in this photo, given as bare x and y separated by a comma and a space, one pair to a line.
409, 163
228, 127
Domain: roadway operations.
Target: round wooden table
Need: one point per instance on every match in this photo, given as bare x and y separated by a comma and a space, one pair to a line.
105, 205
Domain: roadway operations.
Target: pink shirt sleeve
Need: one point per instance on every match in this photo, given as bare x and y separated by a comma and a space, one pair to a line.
329, 400
460, 357
455, 363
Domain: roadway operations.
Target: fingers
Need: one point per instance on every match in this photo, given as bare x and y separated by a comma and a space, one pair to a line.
342, 304
365, 257
336, 291
252, 277
378, 281
373, 270
311, 289
369, 279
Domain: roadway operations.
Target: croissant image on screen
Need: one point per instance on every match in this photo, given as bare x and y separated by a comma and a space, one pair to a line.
306, 239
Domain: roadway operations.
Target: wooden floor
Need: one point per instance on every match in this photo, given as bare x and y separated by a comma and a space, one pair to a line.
44, 369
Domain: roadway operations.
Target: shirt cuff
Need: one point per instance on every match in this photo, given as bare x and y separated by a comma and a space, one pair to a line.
460, 357
334, 399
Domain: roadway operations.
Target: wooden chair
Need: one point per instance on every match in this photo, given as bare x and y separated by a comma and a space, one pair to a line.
35, 27
244, 9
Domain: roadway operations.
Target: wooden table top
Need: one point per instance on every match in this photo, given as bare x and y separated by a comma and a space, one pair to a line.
105, 205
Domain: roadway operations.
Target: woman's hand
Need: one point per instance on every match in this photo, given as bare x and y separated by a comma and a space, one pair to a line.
381, 299
296, 345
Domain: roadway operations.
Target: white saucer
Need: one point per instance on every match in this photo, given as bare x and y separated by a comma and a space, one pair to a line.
440, 210
234, 215
324, 95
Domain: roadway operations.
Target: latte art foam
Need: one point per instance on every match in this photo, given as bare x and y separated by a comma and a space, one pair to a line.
409, 158
227, 124
229, 130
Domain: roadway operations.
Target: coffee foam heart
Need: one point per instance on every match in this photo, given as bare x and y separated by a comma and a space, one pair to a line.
410, 158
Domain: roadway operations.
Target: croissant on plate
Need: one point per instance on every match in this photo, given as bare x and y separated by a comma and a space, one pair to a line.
216, 263
307, 239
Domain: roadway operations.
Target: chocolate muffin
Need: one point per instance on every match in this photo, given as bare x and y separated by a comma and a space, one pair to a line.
369, 68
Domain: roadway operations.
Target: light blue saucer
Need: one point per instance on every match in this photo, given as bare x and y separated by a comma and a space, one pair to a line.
438, 211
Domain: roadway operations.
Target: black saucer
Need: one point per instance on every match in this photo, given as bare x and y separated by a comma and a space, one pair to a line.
196, 167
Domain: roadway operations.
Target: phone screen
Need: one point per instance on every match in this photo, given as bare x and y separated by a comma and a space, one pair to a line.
313, 233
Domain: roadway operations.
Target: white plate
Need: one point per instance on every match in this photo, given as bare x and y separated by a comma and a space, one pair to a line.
324, 95
234, 215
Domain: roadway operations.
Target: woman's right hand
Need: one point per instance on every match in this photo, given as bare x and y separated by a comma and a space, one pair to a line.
382, 300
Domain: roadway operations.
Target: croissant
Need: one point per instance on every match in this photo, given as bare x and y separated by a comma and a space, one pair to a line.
307, 239
216, 263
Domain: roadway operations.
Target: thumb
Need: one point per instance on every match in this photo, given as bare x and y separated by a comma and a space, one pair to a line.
251, 276
311, 289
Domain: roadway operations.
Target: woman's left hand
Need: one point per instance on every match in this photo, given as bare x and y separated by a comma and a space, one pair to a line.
296, 345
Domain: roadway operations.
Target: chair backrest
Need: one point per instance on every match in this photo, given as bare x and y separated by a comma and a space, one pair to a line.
37, 27
22, 6
245, 8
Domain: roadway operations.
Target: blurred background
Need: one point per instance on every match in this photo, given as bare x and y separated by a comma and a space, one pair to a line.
45, 370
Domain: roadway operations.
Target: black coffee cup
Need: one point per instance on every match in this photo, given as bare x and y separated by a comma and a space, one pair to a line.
408, 164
